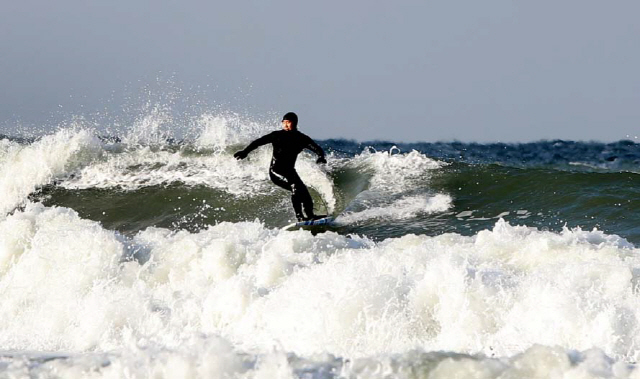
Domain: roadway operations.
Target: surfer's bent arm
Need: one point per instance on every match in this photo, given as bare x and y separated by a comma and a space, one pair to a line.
254, 145
313, 146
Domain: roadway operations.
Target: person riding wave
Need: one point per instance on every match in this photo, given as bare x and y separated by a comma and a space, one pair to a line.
287, 144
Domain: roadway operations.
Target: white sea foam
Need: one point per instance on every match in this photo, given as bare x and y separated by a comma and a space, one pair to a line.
25, 167
237, 291
401, 209
143, 167
242, 300
393, 178
394, 172
213, 357
6, 149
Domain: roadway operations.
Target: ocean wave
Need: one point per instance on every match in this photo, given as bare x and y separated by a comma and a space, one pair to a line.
26, 167
70, 285
402, 209
142, 255
394, 172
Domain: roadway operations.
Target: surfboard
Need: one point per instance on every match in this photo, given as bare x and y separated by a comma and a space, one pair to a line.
326, 221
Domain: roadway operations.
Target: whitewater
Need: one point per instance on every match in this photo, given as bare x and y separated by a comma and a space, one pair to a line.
143, 257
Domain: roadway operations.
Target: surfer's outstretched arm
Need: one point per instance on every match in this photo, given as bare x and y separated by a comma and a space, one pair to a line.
313, 146
242, 154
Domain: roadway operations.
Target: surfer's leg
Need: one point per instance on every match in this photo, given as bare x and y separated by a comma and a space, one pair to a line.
280, 180
284, 182
301, 195
297, 208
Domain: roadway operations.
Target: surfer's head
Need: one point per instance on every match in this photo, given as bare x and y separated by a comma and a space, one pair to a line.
290, 121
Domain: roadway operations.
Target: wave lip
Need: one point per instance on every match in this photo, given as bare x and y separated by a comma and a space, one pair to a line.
394, 173
402, 209
25, 168
397, 187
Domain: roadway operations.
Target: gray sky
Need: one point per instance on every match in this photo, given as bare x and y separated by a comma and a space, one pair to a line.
407, 71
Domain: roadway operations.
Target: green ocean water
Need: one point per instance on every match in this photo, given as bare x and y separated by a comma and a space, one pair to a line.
544, 191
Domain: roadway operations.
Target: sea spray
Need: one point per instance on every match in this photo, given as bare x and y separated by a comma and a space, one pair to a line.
391, 189
24, 168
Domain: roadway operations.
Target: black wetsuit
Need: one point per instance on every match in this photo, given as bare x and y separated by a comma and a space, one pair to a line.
286, 147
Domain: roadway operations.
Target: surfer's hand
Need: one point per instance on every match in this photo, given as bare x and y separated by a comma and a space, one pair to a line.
321, 160
240, 155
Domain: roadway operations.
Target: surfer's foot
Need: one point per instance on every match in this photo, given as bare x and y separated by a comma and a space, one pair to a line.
311, 218
314, 217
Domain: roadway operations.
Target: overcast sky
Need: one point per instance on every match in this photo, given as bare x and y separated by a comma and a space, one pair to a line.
510, 71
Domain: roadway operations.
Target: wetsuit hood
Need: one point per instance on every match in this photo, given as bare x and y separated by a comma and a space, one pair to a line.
291, 117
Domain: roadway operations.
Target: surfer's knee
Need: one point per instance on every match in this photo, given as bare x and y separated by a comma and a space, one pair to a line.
280, 181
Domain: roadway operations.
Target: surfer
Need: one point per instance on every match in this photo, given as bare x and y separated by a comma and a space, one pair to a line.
287, 144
